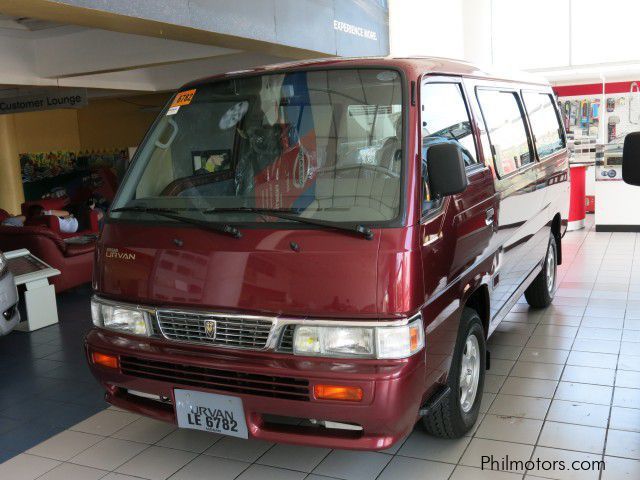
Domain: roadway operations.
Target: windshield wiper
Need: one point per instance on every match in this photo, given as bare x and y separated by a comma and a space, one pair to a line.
171, 213
357, 229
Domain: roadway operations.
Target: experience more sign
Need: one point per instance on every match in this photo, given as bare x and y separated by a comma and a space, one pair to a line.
46, 100
355, 30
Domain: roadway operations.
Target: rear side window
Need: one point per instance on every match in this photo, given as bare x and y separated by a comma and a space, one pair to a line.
506, 128
545, 125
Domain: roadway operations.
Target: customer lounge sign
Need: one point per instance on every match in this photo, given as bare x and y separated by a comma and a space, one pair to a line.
47, 100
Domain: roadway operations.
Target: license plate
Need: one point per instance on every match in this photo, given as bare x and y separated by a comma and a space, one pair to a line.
210, 412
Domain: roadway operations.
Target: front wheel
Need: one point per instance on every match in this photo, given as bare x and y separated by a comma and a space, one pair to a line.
543, 288
456, 414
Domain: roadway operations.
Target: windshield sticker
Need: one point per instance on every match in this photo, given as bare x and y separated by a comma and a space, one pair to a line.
183, 98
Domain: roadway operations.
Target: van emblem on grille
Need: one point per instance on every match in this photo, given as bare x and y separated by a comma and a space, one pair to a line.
210, 328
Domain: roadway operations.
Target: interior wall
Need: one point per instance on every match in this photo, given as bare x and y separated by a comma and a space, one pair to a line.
604, 32
47, 131
547, 41
478, 31
115, 123
541, 35
102, 125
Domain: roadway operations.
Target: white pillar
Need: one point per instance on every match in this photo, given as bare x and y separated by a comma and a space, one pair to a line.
477, 31
426, 27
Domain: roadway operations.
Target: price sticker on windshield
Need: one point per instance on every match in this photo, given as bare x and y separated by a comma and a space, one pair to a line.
182, 99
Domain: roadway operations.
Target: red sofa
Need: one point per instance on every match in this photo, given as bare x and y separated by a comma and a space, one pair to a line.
75, 262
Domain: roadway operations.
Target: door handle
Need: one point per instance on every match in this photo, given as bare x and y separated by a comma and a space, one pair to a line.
489, 216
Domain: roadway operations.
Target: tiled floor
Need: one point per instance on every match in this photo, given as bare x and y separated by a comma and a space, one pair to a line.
564, 385
45, 385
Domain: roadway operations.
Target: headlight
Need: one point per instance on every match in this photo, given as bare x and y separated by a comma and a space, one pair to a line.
119, 318
333, 341
366, 342
3, 264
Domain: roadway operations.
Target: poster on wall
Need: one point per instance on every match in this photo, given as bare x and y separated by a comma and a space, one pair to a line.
72, 173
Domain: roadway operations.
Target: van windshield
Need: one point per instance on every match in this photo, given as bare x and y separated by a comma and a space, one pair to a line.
325, 145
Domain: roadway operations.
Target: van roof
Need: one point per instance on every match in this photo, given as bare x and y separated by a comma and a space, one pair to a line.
439, 65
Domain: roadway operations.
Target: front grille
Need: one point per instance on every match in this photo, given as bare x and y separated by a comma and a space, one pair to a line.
238, 332
286, 339
222, 380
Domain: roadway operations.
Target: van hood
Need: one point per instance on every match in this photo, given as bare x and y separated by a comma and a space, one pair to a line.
305, 272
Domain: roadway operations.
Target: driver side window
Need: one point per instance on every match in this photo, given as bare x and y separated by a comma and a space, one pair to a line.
445, 118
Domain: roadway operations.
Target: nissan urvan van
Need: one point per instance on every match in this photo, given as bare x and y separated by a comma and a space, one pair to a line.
9, 313
316, 252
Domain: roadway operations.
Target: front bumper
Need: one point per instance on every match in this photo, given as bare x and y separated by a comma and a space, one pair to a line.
9, 315
393, 389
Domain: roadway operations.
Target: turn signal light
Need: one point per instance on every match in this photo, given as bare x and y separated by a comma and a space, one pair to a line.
104, 360
414, 337
338, 392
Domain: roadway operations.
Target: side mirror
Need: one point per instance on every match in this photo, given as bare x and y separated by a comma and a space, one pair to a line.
446, 169
631, 159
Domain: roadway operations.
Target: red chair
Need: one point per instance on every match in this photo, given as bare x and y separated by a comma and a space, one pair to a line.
75, 262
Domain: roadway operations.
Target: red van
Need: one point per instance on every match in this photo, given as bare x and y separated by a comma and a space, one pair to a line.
317, 252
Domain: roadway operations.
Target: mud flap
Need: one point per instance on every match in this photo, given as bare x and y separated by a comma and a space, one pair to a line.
435, 400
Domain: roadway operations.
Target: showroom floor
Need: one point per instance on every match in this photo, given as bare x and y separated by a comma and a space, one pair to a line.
45, 384
564, 385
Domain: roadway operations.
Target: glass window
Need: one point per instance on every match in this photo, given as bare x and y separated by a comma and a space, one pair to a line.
325, 145
506, 129
444, 119
545, 125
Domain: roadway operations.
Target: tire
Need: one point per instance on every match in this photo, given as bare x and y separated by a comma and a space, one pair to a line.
543, 288
456, 414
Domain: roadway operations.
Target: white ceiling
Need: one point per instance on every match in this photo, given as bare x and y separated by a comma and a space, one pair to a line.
26, 23
36, 53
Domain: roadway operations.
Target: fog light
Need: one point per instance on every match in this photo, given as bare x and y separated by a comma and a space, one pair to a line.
102, 359
338, 392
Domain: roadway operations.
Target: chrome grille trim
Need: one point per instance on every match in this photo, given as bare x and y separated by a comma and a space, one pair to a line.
277, 324
235, 331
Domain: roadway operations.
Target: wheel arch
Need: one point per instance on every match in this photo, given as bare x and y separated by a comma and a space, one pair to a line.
479, 301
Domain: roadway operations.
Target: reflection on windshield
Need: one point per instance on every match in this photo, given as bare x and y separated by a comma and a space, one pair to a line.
325, 144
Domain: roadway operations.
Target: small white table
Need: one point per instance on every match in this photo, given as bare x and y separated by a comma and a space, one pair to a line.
40, 296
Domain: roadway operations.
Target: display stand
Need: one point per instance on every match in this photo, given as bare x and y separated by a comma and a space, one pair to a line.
583, 154
577, 206
616, 210
616, 114
40, 296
